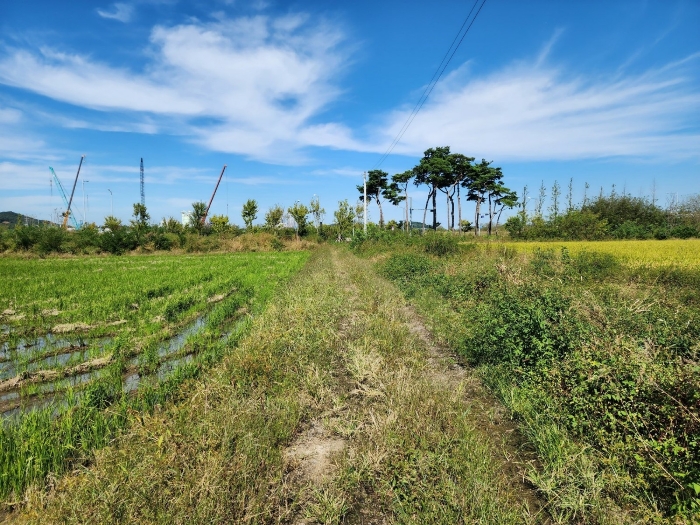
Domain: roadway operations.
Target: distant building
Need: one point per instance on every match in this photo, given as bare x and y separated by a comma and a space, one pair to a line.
186, 218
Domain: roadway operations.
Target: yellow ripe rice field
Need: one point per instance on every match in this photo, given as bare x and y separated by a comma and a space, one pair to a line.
681, 253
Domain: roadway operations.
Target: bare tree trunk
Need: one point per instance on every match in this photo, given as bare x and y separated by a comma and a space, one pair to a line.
490, 216
452, 207
459, 211
447, 209
477, 231
407, 207
425, 210
434, 208
498, 219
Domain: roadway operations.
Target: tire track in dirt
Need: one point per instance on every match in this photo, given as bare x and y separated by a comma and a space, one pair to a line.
314, 460
310, 460
490, 416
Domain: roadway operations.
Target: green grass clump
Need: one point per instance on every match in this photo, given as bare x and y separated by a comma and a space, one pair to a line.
437, 244
597, 360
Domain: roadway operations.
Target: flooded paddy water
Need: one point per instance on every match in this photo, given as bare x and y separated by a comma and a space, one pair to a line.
121, 334
45, 379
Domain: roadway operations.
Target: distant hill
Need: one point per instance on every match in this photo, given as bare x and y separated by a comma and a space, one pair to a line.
9, 219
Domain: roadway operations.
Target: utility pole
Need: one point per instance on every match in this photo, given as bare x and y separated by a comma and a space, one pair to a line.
407, 207
364, 175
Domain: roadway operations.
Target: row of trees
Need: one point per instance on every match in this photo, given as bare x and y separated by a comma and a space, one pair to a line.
116, 237
450, 174
276, 216
295, 217
612, 216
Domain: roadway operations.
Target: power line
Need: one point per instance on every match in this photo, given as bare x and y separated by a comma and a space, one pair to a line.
433, 81
416, 108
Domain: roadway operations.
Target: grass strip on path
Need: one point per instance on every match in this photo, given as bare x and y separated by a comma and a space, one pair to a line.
333, 408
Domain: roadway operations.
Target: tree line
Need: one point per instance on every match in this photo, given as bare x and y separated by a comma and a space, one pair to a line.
605, 216
196, 234
451, 174
454, 175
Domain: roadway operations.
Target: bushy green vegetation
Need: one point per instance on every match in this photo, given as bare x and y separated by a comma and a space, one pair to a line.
138, 302
614, 216
598, 361
114, 237
43, 240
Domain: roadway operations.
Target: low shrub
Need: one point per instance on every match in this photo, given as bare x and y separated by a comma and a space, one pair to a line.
84, 241
684, 231
406, 267
164, 241
595, 265
51, 240
201, 243
633, 230
25, 237
117, 242
440, 245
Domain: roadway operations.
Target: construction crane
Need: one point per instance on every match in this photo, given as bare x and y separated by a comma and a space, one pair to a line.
204, 219
143, 194
70, 201
63, 194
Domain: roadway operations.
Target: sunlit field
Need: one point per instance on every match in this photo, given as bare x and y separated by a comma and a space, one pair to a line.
676, 252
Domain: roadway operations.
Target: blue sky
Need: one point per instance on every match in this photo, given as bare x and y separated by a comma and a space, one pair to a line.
299, 98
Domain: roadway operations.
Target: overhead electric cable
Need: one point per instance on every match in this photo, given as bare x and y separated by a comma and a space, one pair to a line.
433, 81
427, 87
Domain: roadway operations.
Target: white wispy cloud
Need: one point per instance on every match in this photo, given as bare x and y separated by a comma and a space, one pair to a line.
14, 146
19, 176
10, 115
15, 141
24, 175
262, 85
119, 11
259, 80
534, 111
345, 171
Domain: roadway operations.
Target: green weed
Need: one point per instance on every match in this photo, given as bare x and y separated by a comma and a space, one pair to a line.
597, 360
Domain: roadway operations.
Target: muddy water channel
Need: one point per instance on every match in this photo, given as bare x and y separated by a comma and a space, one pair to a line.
45, 352
52, 366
